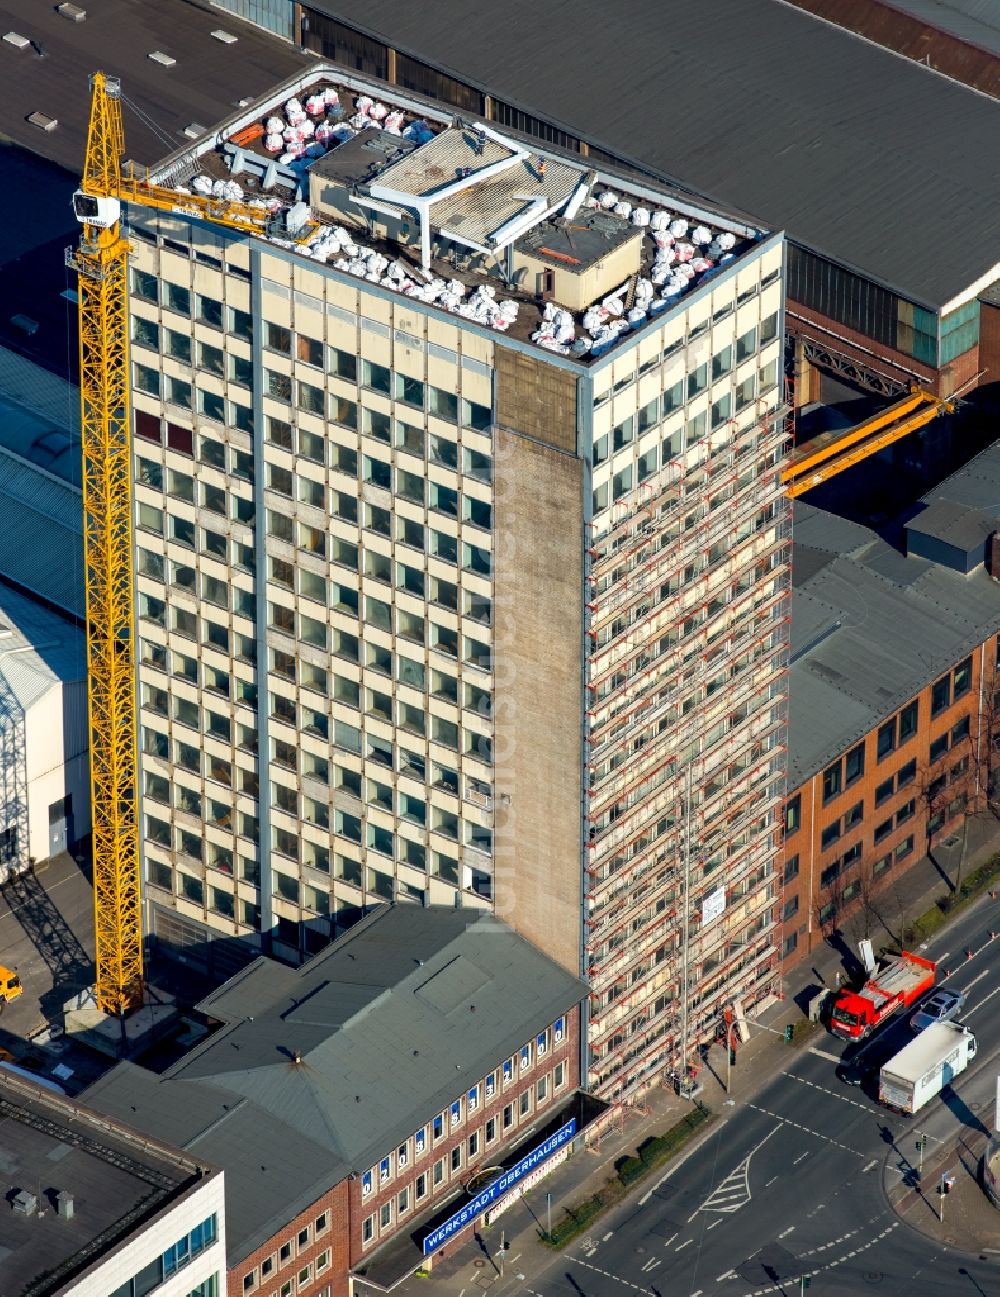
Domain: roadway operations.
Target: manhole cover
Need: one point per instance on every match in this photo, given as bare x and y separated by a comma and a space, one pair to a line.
873, 1276
479, 1264
640, 1249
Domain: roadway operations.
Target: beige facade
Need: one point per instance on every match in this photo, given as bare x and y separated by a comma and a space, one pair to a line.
430, 613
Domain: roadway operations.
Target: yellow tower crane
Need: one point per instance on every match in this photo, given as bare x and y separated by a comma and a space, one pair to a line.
101, 261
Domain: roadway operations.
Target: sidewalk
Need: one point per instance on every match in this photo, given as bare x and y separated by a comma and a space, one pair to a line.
476, 1265
966, 1220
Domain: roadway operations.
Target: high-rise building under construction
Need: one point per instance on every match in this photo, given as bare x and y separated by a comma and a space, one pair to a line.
462, 560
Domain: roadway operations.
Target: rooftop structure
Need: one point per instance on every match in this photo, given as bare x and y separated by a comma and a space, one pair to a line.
317, 1071
81, 1190
456, 214
871, 626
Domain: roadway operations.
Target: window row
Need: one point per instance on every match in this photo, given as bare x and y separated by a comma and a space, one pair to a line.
408, 438
147, 287
463, 1109
321, 543
287, 1253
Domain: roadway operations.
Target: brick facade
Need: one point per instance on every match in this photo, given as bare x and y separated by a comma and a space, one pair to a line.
300, 1245
844, 847
365, 1206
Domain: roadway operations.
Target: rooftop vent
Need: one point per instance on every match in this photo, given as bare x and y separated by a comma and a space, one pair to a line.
24, 1203
25, 323
73, 12
43, 121
64, 1205
164, 60
227, 38
193, 130
19, 42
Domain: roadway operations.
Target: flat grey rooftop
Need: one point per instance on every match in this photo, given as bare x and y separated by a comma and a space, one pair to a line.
955, 524
578, 244
318, 1071
858, 154
358, 158
45, 1150
872, 627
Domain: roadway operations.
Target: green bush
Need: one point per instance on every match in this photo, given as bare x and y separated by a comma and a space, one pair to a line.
628, 1171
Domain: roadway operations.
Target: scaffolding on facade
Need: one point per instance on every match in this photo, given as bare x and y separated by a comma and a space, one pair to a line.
686, 677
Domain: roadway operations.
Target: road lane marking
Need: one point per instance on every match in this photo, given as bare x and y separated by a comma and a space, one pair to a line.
787, 1231
676, 1166
713, 1224
979, 1004
823, 1089
671, 1238
800, 1158
652, 1264
607, 1274
733, 1191
607, 1235
770, 1182
687, 1243
806, 1129
967, 989
823, 1053
868, 1166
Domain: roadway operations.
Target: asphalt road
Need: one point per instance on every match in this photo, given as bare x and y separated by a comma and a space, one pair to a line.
794, 1182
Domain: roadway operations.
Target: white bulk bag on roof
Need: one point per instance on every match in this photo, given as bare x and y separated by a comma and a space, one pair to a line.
274, 126
659, 221
623, 209
701, 234
678, 227
331, 97
608, 199
202, 185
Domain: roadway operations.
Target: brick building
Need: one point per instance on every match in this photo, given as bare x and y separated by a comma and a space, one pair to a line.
894, 700
356, 1101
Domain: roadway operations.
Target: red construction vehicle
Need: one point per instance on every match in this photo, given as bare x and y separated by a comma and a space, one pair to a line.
894, 985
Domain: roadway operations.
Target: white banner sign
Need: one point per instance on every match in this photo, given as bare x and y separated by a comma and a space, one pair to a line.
713, 905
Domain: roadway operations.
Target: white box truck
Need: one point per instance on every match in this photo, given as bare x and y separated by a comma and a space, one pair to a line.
925, 1066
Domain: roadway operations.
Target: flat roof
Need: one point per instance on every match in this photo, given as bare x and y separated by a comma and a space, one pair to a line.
319, 1070
463, 185
863, 156
50, 1146
872, 627
974, 21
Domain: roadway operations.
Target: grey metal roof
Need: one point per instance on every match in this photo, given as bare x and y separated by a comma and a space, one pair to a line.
866, 157
348, 1055
272, 1171
39, 649
956, 524
203, 87
872, 627
975, 21
41, 533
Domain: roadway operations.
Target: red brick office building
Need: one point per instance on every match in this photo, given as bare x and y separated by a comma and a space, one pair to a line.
397, 1088
894, 706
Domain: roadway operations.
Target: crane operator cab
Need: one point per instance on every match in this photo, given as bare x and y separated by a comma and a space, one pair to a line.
10, 985
90, 209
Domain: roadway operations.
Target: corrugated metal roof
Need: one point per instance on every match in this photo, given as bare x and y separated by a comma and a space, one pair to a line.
38, 648
872, 627
349, 1054
868, 158
41, 533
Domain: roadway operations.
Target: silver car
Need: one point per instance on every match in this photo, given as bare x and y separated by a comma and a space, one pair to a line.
942, 1006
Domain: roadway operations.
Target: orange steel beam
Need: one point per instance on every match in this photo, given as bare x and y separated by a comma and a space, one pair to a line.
859, 452
809, 459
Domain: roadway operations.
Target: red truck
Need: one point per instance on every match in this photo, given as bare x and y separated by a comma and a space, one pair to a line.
894, 985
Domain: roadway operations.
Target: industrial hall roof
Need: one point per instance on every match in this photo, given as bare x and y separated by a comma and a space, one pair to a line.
200, 79
872, 627
871, 160
318, 1071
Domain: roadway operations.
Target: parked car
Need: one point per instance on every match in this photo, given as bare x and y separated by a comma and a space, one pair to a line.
942, 1006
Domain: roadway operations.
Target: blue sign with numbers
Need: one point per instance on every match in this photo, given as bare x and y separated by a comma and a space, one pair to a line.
501, 1185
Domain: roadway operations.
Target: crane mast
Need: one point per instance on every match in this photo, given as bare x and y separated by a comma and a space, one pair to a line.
101, 261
